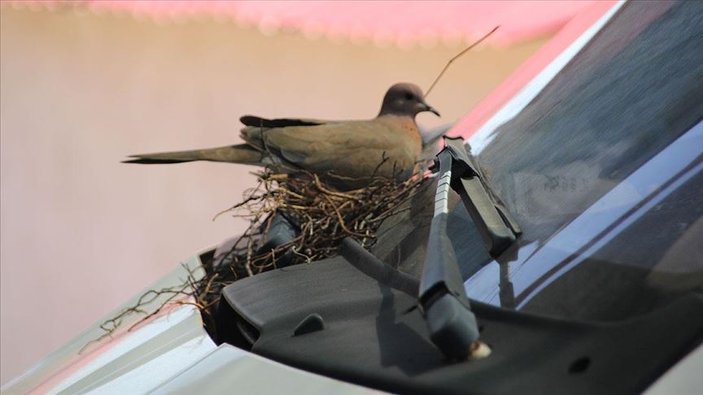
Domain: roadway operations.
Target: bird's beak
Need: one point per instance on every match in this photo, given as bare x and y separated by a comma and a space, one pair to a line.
427, 107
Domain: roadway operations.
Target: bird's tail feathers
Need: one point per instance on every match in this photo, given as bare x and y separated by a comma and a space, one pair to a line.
241, 153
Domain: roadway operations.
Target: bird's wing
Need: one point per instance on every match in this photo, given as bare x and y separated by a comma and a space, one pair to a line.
357, 146
254, 121
301, 144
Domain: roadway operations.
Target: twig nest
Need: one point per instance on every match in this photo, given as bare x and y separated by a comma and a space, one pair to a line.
321, 214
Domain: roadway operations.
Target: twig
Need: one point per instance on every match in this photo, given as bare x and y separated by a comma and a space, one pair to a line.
441, 73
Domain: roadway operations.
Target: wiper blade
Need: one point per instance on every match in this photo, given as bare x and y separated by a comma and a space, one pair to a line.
497, 227
446, 308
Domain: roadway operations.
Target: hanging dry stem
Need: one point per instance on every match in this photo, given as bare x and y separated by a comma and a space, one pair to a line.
321, 214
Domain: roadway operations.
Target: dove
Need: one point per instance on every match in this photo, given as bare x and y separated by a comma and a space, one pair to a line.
389, 145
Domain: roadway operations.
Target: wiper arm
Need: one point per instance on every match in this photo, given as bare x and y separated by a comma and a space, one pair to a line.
446, 308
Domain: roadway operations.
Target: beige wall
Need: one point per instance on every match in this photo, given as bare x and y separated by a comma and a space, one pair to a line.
80, 231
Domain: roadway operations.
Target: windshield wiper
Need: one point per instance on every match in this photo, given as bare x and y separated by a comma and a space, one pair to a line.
446, 308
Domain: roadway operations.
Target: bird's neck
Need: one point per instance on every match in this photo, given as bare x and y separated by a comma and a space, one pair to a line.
405, 122
403, 118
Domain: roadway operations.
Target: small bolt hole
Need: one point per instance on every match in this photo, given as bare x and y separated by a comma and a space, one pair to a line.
480, 329
580, 365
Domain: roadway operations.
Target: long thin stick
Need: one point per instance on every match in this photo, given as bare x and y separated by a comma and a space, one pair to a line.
457, 56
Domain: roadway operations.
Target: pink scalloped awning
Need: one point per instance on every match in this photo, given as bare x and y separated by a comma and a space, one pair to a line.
382, 22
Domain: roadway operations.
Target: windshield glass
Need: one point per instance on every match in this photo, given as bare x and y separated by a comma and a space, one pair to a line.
602, 170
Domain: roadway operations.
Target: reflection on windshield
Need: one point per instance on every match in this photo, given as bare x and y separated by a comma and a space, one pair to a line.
598, 170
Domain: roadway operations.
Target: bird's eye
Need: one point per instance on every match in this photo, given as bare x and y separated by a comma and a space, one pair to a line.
409, 96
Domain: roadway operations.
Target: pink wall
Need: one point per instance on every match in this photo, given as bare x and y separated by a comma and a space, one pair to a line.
81, 232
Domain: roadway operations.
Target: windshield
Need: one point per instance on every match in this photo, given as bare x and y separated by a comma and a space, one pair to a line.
602, 170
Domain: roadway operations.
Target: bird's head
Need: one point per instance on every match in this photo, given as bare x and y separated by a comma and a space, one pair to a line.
405, 99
